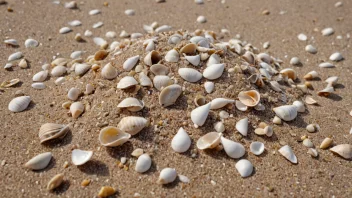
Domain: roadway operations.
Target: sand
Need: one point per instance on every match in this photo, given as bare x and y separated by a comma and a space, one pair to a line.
212, 174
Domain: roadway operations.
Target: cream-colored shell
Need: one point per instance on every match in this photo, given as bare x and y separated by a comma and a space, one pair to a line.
76, 109
213, 59
161, 82
81, 69
131, 104
132, 124
175, 39
80, 157
73, 94
209, 86
51, 131
130, 63
143, 163
200, 114
109, 72
38, 85
172, 56
112, 136
209, 141
40, 76
300, 106
55, 182
127, 82
152, 58
169, 95
19, 104
189, 74
214, 71
144, 80
159, 69
189, 49
289, 73
58, 71
194, 60
343, 150
167, 175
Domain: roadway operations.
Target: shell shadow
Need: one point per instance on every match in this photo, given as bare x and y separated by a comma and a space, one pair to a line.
334, 97
55, 143
51, 165
179, 104
30, 106
146, 135
339, 86
94, 167
172, 184
62, 188
298, 122
120, 151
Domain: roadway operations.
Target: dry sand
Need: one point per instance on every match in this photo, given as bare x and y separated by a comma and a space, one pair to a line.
325, 176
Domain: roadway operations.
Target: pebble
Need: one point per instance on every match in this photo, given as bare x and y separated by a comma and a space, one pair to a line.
265, 12
3, 162
85, 182
302, 37
201, 19
311, 49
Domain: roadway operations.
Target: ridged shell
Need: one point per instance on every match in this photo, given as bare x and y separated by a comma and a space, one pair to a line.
189, 74
112, 136
143, 163
38, 85
130, 63
169, 95
287, 152
127, 82
244, 168
144, 80
73, 94
40, 76
181, 141
286, 112
76, 109
189, 49
81, 69
200, 114
131, 104
132, 124
233, 149
194, 60
343, 150
218, 103
51, 131
242, 126
257, 148
152, 58
172, 56
209, 140
19, 104
167, 175
39, 162
249, 98
58, 71
159, 69
80, 157
161, 82
109, 72
214, 71
209, 86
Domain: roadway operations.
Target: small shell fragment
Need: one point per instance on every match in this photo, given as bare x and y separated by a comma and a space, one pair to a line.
287, 152
55, 182
106, 191
326, 143
343, 150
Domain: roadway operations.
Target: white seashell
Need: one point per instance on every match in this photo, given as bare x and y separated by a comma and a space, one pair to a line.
295, 61
219, 127
143, 163
172, 56
169, 95
199, 1
249, 98
326, 91
38, 85
189, 74
242, 126
332, 80
167, 175
152, 58
89, 89
11, 42
100, 42
110, 34
257, 148
144, 80
76, 109
31, 43
55, 182
300, 106
97, 25
124, 34
209, 87
60, 80
327, 31
148, 28
213, 59
286, 112
109, 72
183, 179
277, 120
39, 162
175, 39
200, 41
131, 104
94, 12
81, 69
343, 150
127, 82
58, 71
337, 56
194, 60
311, 75
201, 19
88, 33
240, 106
311, 49
326, 65
313, 152
213, 71
275, 86
150, 46
308, 143
114, 45
218, 103
73, 94
287, 152
130, 63
75, 23
200, 114
15, 56
80, 157
181, 141
159, 69
266, 45
163, 28
76, 54
130, 12
59, 61
8, 65
289, 73
132, 124
244, 168
309, 100
46, 66
209, 141
19, 104
189, 49
161, 82
233, 149
112, 136
263, 57
338, 4
65, 30
49, 131
71, 5
302, 37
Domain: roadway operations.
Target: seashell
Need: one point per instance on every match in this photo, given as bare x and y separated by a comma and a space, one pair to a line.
38, 85
218, 103
289, 73
106, 191
181, 141
71, 5
169, 95
199, 100
124, 34
137, 152
263, 57
150, 46
277, 120
51, 131
39, 162
332, 80
73, 94
112, 136
249, 57
242, 126
311, 75
266, 45
213, 59
23, 64
327, 142
97, 25
343, 150
78, 36
303, 87
131, 104
11, 42
100, 55
132, 124
313, 152
295, 61
167, 175
300, 106
10, 83
94, 12
183, 179
40, 76
161, 82
309, 100
100, 42
308, 143
257, 148
19, 104
66, 105
337, 56
76, 109
209, 141
31, 43
65, 30
286, 112
80, 157
287, 152
59, 61
240, 106
60, 80
232, 149
189, 74
55, 182
109, 72
159, 69
15, 56
326, 92
326, 65
75, 23
201, 19
219, 127
149, 29
327, 31
175, 39
249, 98
136, 35
302, 37
268, 130
152, 58
311, 128
130, 12
76, 54
259, 131
89, 89
200, 114
194, 60
189, 49
209, 87
265, 73
58, 71
143, 163
81, 69
110, 34
172, 56
213, 71
130, 63
144, 80
311, 49
244, 168
275, 86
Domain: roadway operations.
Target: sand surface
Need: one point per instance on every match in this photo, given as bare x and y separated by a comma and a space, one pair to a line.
212, 174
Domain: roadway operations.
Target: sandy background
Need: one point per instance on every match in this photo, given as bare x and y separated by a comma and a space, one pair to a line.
325, 176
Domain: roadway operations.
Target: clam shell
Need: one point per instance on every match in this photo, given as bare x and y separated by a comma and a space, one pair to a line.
240, 106
130, 63
343, 150
189, 74
194, 60
295, 61
143, 163
97, 25
31, 43
60, 80
160, 82
23, 64
152, 58
244, 168
268, 130
75, 23
89, 89
263, 57
76, 109
11, 42
150, 46
209, 86
327, 31
172, 56
311, 49
73, 94
124, 34
100, 55
159, 69
100, 42
169, 95
76, 54
59, 61
311, 75
40, 76
286, 112
137, 152
242, 126
127, 82
65, 30
213, 59
39, 162
15, 56
81, 69
287, 152
233, 149
300, 106
38, 85
257, 148
94, 12
58, 71
337, 56
326, 65
326, 91
308, 143
309, 100
327, 142
209, 141
80, 157
189, 49
214, 71
289, 73
132, 124
313, 152
249, 57
200, 114
218, 103
51, 131
181, 141
219, 127
332, 80
144, 80
19, 104
55, 182
277, 120
131, 104
167, 175
175, 39
163, 28
249, 98
112, 136
10, 83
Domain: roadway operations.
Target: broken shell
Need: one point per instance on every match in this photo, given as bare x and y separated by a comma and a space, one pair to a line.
209, 86
40, 76
94, 12
327, 142
132, 124
240, 106
213, 59
313, 152
144, 80
127, 82
289, 73
150, 46
189, 74
38, 85
249, 98
249, 57
143, 163
112, 136
214, 71
308, 143
309, 100
81, 69
257, 148
242, 126
169, 95
300, 106
152, 58
58, 71
189, 49
76, 109
39, 162
343, 150
183, 179
167, 175
311, 75
219, 127
326, 65
200, 114
55, 182
181, 141
233, 149
80, 157
286, 112
73, 94
218, 103
337, 56
326, 92
209, 141
159, 69
15, 56
19, 104
89, 89
311, 49
161, 82
172, 56
130, 63
244, 168
268, 130
199, 100
131, 104
51, 131
11, 42
194, 60
332, 80
9, 83
287, 152
31, 43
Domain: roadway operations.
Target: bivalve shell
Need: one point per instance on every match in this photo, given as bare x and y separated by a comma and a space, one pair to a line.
209, 141
175, 39
218, 103
80, 157
152, 58
38, 85
65, 30
327, 31
39, 162
244, 168
286, 112
213, 59
58, 71
194, 60
169, 95
131, 104
73, 94
326, 65
311, 75
240, 106
327, 142
189, 74
19, 104
160, 82
343, 150
55, 182
144, 80
200, 114
287, 152
167, 175
31, 43
112, 136
132, 124
214, 71
15, 56
81, 69
143, 163
172, 56
289, 73
313, 152
233, 149
127, 82
189, 49
326, 91
51, 131
181, 141
40, 76
159, 69
337, 56
130, 63
300, 106
311, 49
76, 109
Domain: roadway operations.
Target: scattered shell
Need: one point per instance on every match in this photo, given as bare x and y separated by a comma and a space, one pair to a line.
132, 124
214, 71
73, 94
55, 182
167, 175
106, 191
59, 61
58, 71
80, 157
51, 131
38, 85
194, 60
60, 80
172, 56
181, 141
10, 83
286, 112
244, 168
8, 65
327, 142
31, 43
175, 39
39, 162
78, 36
201, 19
131, 104
199, 100
326, 92
219, 127
295, 61
101, 55
300, 106
76, 109
23, 64
309, 100
259, 131
76, 54
19, 104
209, 141
311, 75
268, 130
97, 25
332, 81
169, 95
287, 152
277, 120
249, 98
200, 114
130, 63
266, 45
130, 12
289, 73
218, 103
11, 42
313, 152
189, 74
124, 34
109, 72
110, 34
183, 179
343, 150
213, 59
308, 143
209, 87
257, 148
152, 58
100, 42
144, 80
302, 37
143, 163
240, 106
249, 57
94, 12
137, 152
326, 65
89, 89
15, 56
337, 56
189, 49
159, 69
242, 126
112, 136
75, 23
87, 33
150, 46
71, 5
65, 30
327, 31
233, 149
311, 49
160, 82
81, 69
